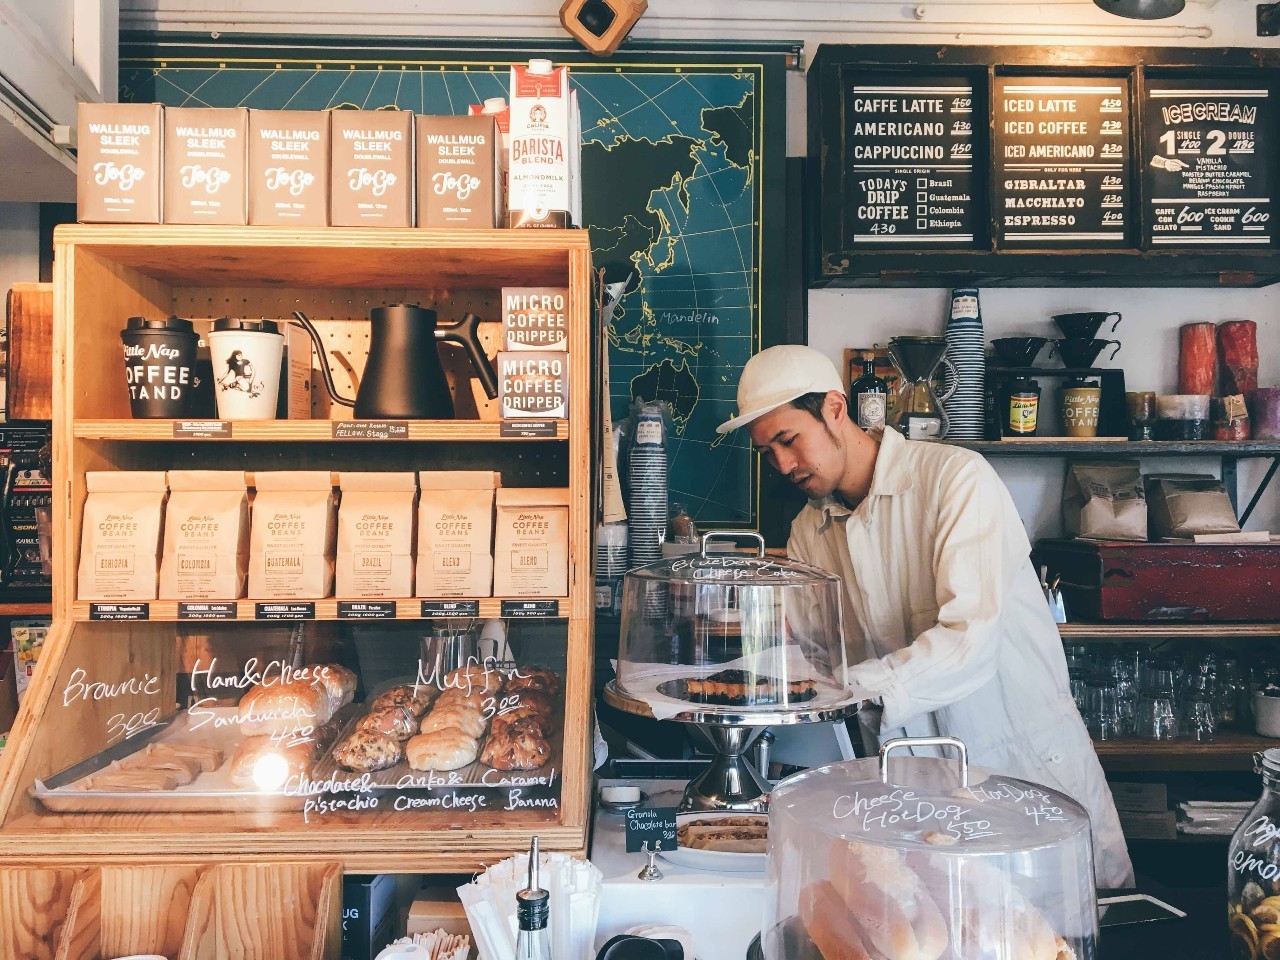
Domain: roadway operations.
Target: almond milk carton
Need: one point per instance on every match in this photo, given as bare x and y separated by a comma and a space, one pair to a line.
544, 144
289, 168
371, 170
206, 165
459, 172
118, 162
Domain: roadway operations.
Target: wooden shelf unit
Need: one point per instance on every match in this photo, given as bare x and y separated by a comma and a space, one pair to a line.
1230, 751
307, 431
166, 611
104, 274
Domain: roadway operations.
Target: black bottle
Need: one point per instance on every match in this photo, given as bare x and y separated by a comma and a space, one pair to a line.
869, 398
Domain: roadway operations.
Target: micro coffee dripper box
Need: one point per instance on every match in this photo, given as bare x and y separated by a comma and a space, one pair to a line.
289, 168
371, 168
535, 318
533, 385
206, 165
118, 162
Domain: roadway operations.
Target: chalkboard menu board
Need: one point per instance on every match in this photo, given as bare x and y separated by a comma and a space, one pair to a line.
1205, 151
911, 172
1060, 157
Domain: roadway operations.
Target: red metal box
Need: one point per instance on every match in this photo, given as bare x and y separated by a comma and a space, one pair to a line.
1119, 580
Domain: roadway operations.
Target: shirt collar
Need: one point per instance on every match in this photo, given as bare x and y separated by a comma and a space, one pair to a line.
892, 476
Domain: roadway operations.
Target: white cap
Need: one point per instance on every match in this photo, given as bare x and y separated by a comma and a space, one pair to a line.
777, 376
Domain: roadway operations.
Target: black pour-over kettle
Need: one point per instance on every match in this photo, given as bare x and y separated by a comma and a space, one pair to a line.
403, 378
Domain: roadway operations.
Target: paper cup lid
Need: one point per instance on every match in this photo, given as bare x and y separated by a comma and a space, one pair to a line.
246, 326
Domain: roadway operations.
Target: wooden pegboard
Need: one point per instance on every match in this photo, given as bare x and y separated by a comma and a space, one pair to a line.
342, 318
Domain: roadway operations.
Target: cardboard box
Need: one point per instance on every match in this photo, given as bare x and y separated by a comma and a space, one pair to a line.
368, 917
295, 379
1140, 797
459, 172
533, 385
206, 157
371, 168
1149, 825
289, 168
535, 318
118, 162
438, 908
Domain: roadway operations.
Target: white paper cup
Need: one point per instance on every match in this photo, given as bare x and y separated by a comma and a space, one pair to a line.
246, 373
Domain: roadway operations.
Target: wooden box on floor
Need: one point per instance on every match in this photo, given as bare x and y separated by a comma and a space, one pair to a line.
105, 274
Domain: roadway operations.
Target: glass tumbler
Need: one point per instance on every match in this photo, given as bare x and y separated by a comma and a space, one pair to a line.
1157, 714
1103, 714
1141, 405
1199, 720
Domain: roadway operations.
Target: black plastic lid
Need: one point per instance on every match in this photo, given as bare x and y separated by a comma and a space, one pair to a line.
248, 326
166, 325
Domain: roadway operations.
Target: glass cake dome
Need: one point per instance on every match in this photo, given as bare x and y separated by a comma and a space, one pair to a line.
928, 864
730, 633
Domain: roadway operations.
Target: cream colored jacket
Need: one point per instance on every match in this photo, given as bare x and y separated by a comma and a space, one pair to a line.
945, 621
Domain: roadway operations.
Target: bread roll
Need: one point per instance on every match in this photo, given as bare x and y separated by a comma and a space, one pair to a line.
447, 749
464, 718
475, 700
416, 698
885, 896
298, 756
283, 709
365, 752
394, 722
473, 679
829, 924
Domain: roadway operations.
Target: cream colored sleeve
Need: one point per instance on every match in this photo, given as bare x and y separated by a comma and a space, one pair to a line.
956, 656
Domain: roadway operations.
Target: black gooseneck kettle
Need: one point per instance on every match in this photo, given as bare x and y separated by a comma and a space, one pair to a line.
403, 378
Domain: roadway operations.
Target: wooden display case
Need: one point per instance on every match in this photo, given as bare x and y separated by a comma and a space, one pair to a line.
105, 274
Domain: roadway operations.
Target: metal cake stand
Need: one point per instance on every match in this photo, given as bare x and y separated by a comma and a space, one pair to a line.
732, 781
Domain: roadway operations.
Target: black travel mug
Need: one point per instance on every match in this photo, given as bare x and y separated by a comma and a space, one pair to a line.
160, 367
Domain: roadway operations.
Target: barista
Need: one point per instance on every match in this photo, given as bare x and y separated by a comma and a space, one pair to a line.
945, 623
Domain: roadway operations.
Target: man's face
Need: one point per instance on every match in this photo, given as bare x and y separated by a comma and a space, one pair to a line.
801, 447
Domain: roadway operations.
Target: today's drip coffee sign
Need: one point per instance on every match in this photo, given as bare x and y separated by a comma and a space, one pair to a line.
911, 147
1204, 158
1061, 151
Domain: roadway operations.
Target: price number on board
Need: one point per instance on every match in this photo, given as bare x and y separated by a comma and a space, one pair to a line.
884, 228
1113, 217
961, 104
1215, 147
1110, 105
961, 128
1112, 150
1112, 200
1111, 128
122, 725
1110, 181
491, 707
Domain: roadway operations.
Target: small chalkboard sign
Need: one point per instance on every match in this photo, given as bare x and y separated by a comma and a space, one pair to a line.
652, 825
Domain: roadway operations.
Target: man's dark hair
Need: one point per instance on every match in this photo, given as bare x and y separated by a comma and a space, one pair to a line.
811, 403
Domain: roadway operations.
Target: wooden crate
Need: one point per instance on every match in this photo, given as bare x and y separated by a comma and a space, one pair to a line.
104, 274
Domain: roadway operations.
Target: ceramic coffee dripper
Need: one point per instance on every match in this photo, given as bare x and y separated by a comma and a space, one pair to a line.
1082, 353
1018, 351
1084, 326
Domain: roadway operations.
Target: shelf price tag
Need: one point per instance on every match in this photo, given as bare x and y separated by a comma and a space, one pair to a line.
208, 611
294, 610
366, 609
656, 825
119, 611
202, 429
370, 430
527, 429
450, 608
517, 609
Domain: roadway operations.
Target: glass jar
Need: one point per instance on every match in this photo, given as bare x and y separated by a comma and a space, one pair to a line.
1253, 869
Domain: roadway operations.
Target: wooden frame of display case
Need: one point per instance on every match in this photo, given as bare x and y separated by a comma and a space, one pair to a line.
104, 274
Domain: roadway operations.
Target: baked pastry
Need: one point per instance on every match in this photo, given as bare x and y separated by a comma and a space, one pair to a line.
725, 834
447, 749
117, 779
829, 924
364, 752
207, 758
416, 698
529, 703
473, 679
453, 695
888, 901
183, 771
531, 716
298, 756
394, 722
339, 683
516, 746
282, 709
463, 717
532, 678
741, 688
